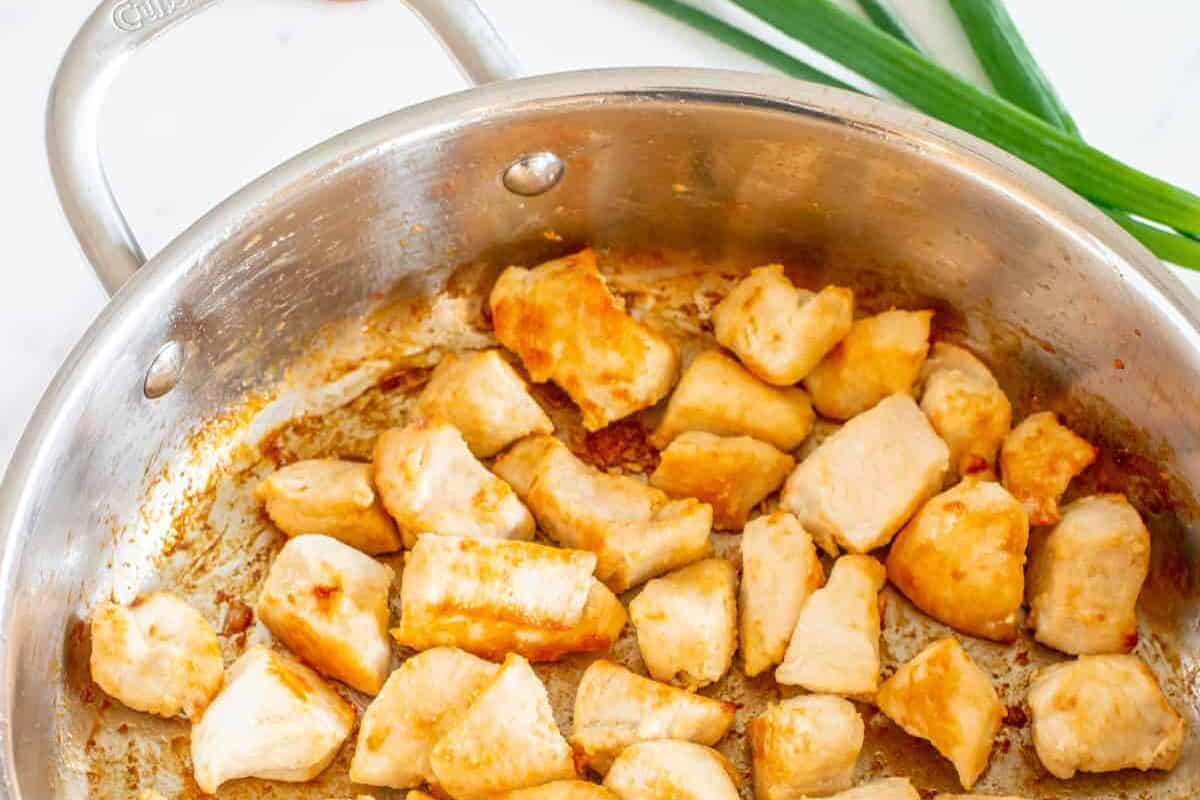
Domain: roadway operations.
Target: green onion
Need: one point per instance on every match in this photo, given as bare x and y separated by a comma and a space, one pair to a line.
880, 12
1181, 250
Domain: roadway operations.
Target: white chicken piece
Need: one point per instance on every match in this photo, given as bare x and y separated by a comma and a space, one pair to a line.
564, 323
1038, 459
881, 356
635, 530
687, 623
329, 604
430, 483
336, 498
157, 654
506, 740
967, 408
482, 396
421, 700
560, 790
615, 708
672, 769
1103, 713
1086, 576
492, 597
834, 647
864, 482
885, 789
718, 395
780, 569
961, 559
806, 746
274, 719
943, 696
733, 474
778, 331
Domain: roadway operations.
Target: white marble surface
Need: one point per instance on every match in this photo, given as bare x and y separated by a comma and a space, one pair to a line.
252, 82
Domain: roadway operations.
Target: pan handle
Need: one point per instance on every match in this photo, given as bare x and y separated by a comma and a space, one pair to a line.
116, 30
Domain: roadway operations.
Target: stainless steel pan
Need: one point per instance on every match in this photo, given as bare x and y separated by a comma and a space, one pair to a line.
240, 323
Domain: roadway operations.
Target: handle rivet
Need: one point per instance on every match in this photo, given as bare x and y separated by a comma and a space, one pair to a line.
165, 370
534, 174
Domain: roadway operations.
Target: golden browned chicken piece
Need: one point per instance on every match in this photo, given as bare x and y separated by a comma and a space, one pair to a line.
943, 696
778, 331
1086, 576
1103, 713
1037, 462
780, 569
944, 796
805, 747
672, 769
884, 789
961, 559
733, 474
332, 497
967, 407
566, 326
881, 356
415, 795
560, 790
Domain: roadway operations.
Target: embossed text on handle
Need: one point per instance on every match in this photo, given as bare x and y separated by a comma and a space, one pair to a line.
134, 15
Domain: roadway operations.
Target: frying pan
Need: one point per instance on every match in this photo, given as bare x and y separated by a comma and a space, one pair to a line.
316, 298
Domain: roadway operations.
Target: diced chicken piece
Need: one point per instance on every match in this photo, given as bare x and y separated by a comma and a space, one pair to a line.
885, 789
560, 790
806, 746
1103, 713
834, 647
566, 326
780, 569
430, 483
881, 356
329, 604
967, 408
864, 482
671, 769
687, 623
492, 597
615, 708
943, 696
718, 395
1085, 578
506, 740
635, 530
421, 700
332, 497
778, 331
156, 655
275, 719
415, 795
1038, 459
961, 559
733, 474
482, 396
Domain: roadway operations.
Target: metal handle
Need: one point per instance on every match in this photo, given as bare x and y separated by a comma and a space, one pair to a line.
116, 30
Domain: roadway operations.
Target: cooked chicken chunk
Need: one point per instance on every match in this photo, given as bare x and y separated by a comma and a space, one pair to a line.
733, 474
274, 719
1103, 713
717, 395
430, 483
944, 796
482, 396
566, 326
805, 746
332, 497
778, 331
421, 700
615, 708
415, 795
1037, 462
672, 769
1086, 576
881, 356
780, 570
961, 559
329, 604
560, 790
687, 623
943, 696
635, 530
156, 655
966, 407
506, 740
834, 647
885, 789
864, 482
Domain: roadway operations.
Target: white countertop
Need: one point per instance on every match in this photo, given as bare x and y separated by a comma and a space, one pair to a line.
252, 82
